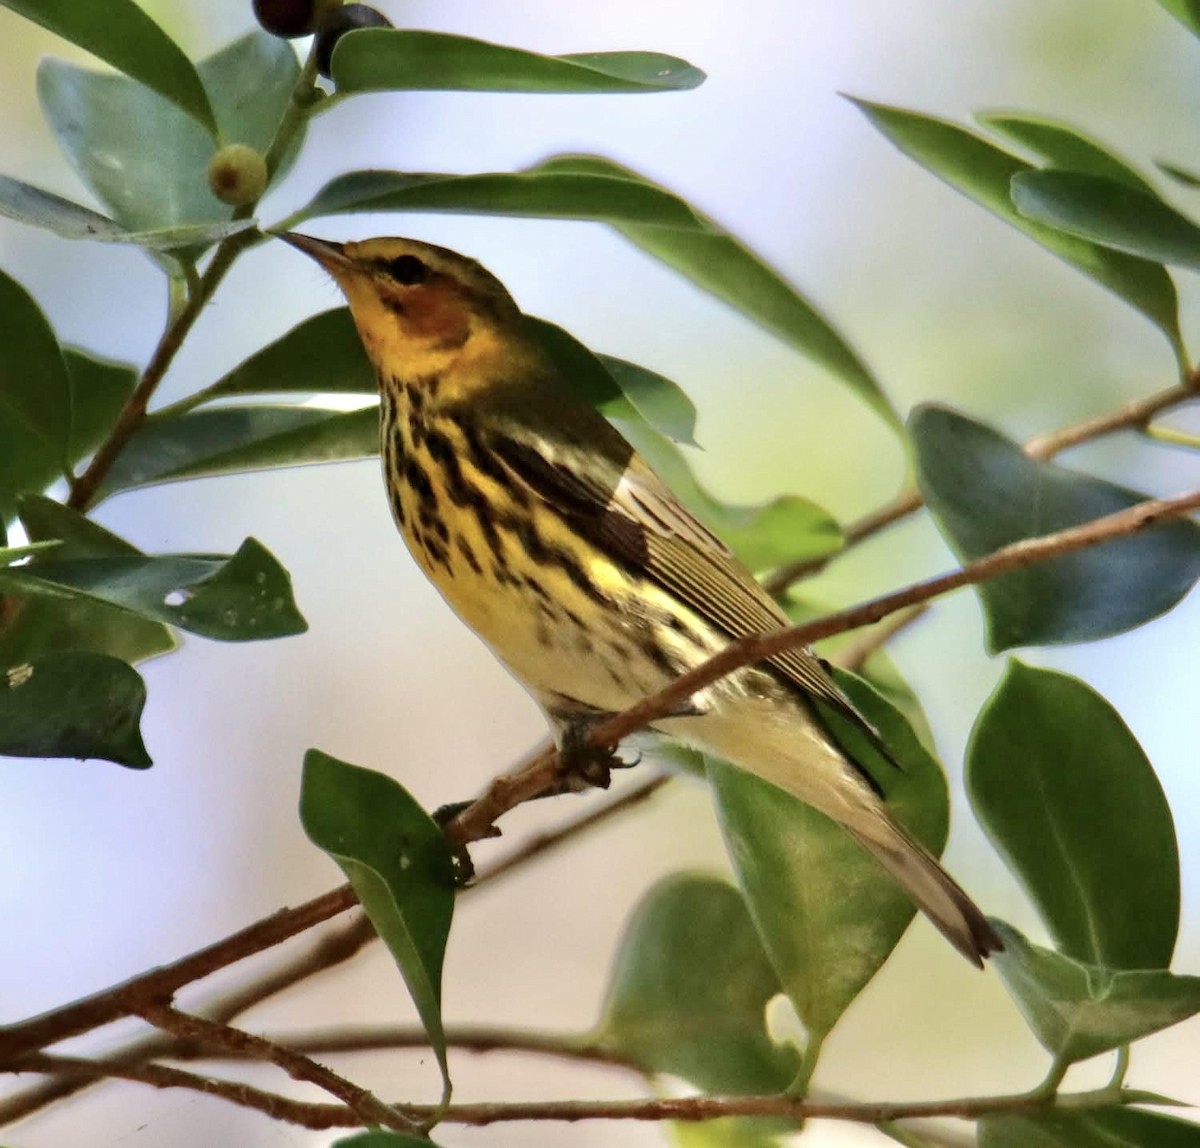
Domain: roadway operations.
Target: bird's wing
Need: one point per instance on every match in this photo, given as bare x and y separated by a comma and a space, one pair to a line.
589, 473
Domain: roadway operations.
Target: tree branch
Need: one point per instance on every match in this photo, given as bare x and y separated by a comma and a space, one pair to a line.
128, 998
504, 793
369, 1109
1133, 415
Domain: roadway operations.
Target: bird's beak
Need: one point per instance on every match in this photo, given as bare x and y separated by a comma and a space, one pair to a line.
331, 256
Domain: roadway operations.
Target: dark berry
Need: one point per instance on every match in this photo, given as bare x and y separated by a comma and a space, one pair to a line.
287, 17
338, 23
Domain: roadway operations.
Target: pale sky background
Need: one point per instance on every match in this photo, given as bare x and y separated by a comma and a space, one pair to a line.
109, 871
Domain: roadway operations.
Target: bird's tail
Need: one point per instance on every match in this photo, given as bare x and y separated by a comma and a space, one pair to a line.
931, 888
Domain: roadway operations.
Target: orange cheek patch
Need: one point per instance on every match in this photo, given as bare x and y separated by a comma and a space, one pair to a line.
435, 312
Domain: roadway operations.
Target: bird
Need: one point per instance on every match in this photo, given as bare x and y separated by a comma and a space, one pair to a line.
554, 540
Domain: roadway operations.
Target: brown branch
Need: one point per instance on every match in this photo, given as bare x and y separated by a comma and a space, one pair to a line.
693, 1108
131, 416
1131, 416
325, 953
504, 793
855, 655
128, 998
369, 1109
163, 1076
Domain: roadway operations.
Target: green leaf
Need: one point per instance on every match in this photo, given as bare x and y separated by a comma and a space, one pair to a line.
1182, 175
658, 221
1109, 213
321, 354
1079, 1010
1115, 1127
720, 264
243, 598
828, 914
11, 554
1072, 804
690, 987
38, 208
398, 861
984, 173
72, 703
145, 160
617, 388
382, 1138
1063, 147
35, 398
121, 34
538, 192
985, 492
786, 529
44, 625
1187, 12
234, 440
389, 59
660, 403
99, 389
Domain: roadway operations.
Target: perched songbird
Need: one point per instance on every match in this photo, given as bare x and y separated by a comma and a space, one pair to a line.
560, 547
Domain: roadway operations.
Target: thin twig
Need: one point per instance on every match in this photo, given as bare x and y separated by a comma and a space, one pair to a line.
504, 793
855, 655
363, 1103
1132, 415
163, 1076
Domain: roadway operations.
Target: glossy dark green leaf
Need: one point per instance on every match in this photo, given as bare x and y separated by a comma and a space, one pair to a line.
72, 703
390, 59
321, 354
398, 861
35, 398
145, 160
1183, 175
985, 492
785, 529
1187, 12
1109, 213
46, 624
243, 598
1079, 1010
121, 34
1115, 1127
1071, 803
1063, 147
234, 440
984, 173
586, 187
690, 988
38, 208
99, 389
828, 914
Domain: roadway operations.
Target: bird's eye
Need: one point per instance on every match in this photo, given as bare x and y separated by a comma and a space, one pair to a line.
407, 270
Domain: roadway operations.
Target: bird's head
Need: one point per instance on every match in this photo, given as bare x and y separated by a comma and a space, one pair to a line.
419, 309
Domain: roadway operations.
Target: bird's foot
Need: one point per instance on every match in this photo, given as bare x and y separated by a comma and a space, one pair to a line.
582, 765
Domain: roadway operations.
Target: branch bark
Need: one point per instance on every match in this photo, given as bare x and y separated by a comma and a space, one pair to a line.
478, 819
